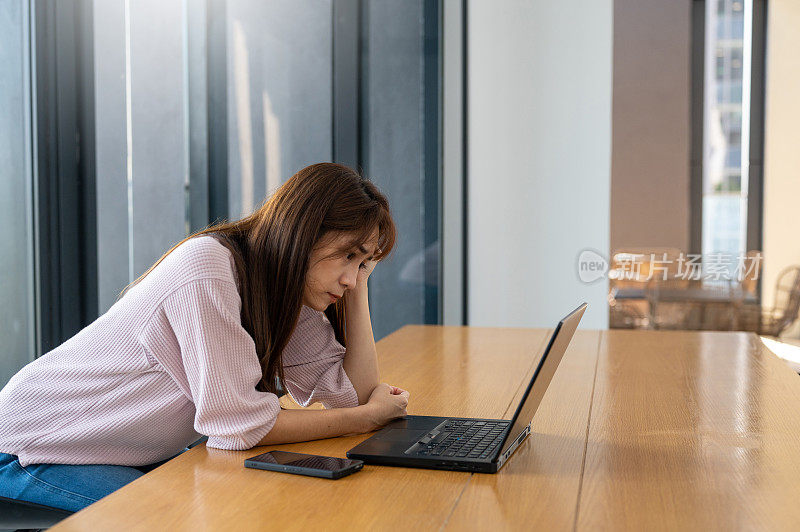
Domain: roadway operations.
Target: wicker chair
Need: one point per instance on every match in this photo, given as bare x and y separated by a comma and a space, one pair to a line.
772, 322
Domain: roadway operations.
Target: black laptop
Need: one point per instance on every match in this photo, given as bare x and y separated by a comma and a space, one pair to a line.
467, 444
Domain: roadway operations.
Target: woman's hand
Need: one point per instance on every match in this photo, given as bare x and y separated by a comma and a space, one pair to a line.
364, 273
385, 404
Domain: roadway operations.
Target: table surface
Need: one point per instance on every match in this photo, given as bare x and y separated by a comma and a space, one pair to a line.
638, 430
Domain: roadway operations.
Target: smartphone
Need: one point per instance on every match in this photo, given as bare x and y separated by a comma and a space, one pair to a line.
305, 464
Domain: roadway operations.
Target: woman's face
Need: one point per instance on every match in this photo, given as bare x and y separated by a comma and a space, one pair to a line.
334, 267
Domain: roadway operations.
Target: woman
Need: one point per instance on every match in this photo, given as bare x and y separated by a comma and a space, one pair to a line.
204, 343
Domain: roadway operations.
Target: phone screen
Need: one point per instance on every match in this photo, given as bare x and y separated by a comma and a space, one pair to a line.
310, 461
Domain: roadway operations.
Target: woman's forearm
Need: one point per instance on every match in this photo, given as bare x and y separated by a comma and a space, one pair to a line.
306, 425
361, 360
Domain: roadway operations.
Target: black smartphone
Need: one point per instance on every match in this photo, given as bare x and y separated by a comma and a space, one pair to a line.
305, 464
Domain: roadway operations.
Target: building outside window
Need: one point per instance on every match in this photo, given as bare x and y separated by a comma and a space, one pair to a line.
726, 127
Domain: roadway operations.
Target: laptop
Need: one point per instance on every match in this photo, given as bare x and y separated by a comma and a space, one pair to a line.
468, 444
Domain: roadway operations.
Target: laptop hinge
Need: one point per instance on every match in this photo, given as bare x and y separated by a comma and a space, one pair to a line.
502, 459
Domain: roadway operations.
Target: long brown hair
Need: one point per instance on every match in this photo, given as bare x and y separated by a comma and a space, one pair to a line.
272, 246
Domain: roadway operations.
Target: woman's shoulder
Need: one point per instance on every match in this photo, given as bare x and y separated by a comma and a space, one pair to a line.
201, 257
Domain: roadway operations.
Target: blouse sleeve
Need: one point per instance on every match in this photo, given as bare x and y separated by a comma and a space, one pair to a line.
312, 364
221, 365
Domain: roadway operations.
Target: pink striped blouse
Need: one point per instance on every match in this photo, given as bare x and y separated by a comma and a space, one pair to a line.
167, 363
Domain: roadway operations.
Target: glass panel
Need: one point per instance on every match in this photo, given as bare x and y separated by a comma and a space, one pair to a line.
141, 101
726, 126
400, 153
111, 152
157, 133
280, 86
279, 95
17, 327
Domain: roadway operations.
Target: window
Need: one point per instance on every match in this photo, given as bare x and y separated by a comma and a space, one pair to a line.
152, 127
730, 42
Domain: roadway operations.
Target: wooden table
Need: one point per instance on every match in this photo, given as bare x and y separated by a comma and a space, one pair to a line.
730, 300
640, 430
691, 295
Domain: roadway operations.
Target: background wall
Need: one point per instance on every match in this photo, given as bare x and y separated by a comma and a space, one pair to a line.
539, 136
651, 128
781, 154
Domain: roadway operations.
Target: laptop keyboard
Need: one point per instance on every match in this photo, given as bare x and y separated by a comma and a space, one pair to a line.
461, 438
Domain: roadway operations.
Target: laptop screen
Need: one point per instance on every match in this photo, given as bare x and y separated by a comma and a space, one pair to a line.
548, 364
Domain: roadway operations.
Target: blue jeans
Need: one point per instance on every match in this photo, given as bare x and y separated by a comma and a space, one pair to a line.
68, 487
